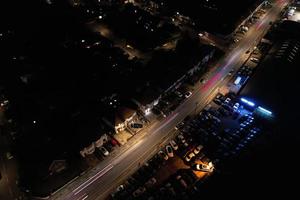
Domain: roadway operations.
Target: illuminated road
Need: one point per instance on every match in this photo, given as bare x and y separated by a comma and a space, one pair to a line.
98, 183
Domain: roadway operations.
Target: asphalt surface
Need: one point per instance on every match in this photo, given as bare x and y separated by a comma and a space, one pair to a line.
99, 182
8, 167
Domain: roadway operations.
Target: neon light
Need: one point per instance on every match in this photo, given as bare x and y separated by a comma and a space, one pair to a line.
247, 102
264, 110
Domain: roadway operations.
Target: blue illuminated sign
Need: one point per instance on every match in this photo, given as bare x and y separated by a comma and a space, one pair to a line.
250, 103
265, 111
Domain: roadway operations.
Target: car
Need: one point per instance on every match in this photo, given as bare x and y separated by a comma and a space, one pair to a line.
139, 191
227, 100
104, 151
9, 155
114, 142
150, 182
243, 125
189, 156
227, 107
136, 125
236, 106
188, 94
253, 131
173, 145
185, 144
247, 123
181, 138
223, 111
179, 94
120, 188
203, 167
249, 120
217, 101
230, 72
198, 149
202, 80
254, 59
163, 155
182, 181
169, 151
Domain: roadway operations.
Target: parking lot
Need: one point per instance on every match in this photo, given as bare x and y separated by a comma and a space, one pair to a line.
222, 131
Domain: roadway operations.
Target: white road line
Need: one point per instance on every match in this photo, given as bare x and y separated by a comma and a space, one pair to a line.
92, 179
168, 121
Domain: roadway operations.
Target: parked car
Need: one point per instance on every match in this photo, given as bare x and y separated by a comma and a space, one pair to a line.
198, 149
227, 100
188, 94
202, 80
150, 182
204, 167
189, 156
254, 59
163, 155
169, 151
9, 155
136, 125
173, 145
104, 151
236, 106
236, 40
139, 191
182, 140
181, 181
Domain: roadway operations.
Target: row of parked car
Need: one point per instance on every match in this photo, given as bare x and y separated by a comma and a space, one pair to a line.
142, 182
208, 128
106, 149
232, 141
243, 29
170, 102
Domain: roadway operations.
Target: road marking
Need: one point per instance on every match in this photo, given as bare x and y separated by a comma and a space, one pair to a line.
168, 121
85, 197
92, 179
